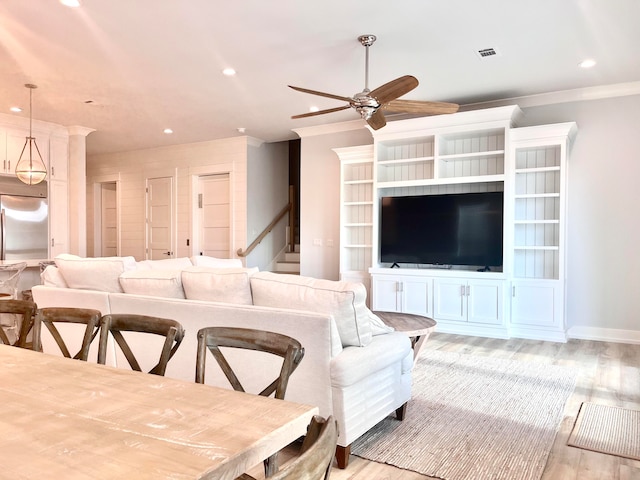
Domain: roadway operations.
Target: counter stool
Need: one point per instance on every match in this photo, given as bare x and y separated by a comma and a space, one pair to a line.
9, 277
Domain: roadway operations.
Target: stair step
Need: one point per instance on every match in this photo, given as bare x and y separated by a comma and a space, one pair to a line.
287, 267
292, 257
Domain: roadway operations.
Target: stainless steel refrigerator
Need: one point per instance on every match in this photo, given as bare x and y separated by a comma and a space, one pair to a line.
24, 225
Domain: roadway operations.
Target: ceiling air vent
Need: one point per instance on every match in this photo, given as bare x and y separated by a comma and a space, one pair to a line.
487, 52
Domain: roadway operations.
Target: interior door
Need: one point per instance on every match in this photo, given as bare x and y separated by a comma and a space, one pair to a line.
109, 220
214, 211
159, 218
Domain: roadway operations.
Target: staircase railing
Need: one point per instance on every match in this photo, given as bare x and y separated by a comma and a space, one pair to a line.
288, 208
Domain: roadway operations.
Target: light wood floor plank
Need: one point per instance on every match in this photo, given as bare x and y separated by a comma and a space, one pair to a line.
608, 373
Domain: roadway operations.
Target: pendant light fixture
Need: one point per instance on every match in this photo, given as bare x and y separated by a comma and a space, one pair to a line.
30, 168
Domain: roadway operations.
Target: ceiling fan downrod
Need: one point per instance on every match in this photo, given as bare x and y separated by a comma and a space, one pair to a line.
366, 41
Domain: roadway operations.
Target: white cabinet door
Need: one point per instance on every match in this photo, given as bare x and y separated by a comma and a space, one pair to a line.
58, 218
58, 158
385, 293
407, 294
473, 301
485, 302
536, 304
16, 142
450, 299
416, 296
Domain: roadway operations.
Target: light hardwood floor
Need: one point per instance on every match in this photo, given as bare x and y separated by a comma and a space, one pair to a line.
609, 373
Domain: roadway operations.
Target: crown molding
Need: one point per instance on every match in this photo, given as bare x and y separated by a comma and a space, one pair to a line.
563, 96
329, 128
78, 130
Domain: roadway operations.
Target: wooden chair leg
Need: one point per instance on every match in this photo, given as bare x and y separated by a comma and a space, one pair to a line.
342, 456
401, 412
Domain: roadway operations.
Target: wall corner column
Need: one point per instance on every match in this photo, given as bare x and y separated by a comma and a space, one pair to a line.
78, 189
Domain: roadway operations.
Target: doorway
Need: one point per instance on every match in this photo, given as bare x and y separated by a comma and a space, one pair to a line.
108, 220
160, 199
214, 216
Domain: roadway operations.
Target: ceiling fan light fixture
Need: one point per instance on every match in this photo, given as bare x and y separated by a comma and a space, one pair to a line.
30, 168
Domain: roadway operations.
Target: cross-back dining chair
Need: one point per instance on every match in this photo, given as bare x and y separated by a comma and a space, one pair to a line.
115, 324
291, 351
316, 454
50, 316
25, 309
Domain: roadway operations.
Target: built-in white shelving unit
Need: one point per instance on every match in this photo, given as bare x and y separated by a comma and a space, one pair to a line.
474, 151
356, 212
538, 229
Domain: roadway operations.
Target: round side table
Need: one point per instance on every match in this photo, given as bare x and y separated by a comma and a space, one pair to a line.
416, 327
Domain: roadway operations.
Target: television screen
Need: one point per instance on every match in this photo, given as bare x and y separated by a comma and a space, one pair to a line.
450, 229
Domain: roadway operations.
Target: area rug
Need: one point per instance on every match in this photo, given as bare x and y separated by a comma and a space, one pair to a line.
473, 417
607, 429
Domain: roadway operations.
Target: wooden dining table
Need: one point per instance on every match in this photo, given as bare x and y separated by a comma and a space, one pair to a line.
63, 418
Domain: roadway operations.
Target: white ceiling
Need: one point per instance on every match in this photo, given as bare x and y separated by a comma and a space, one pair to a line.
151, 64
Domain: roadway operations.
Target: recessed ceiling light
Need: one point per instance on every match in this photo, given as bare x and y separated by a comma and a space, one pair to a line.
242, 129
314, 109
70, 3
587, 63
168, 131
16, 109
229, 72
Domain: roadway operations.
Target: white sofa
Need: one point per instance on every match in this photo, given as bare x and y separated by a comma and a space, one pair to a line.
354, 368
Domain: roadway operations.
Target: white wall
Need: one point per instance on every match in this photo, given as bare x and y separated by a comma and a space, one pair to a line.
267, 194
184, 162
603, 278
320, 196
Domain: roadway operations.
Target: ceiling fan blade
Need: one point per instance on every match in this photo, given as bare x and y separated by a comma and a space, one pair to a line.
321, 94
394, 89
417, 106
377, 120
322, 112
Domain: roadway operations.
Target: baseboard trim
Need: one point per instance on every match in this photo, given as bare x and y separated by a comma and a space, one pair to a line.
605, 334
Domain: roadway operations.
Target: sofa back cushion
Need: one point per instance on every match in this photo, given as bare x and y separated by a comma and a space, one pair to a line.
228, 285
51, 277
100, 273
345, 301
213, 262
154, 282
165, 264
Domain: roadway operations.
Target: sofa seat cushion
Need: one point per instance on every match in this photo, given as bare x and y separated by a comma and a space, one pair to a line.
228, 285
153, 282
99, 273
345, 301
355, 364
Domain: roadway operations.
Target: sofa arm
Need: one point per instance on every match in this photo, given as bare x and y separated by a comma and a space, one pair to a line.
356, 363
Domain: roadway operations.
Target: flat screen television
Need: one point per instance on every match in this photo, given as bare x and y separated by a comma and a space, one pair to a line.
449, 229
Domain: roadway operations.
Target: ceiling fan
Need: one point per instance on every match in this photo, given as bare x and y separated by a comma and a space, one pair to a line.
370, 104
